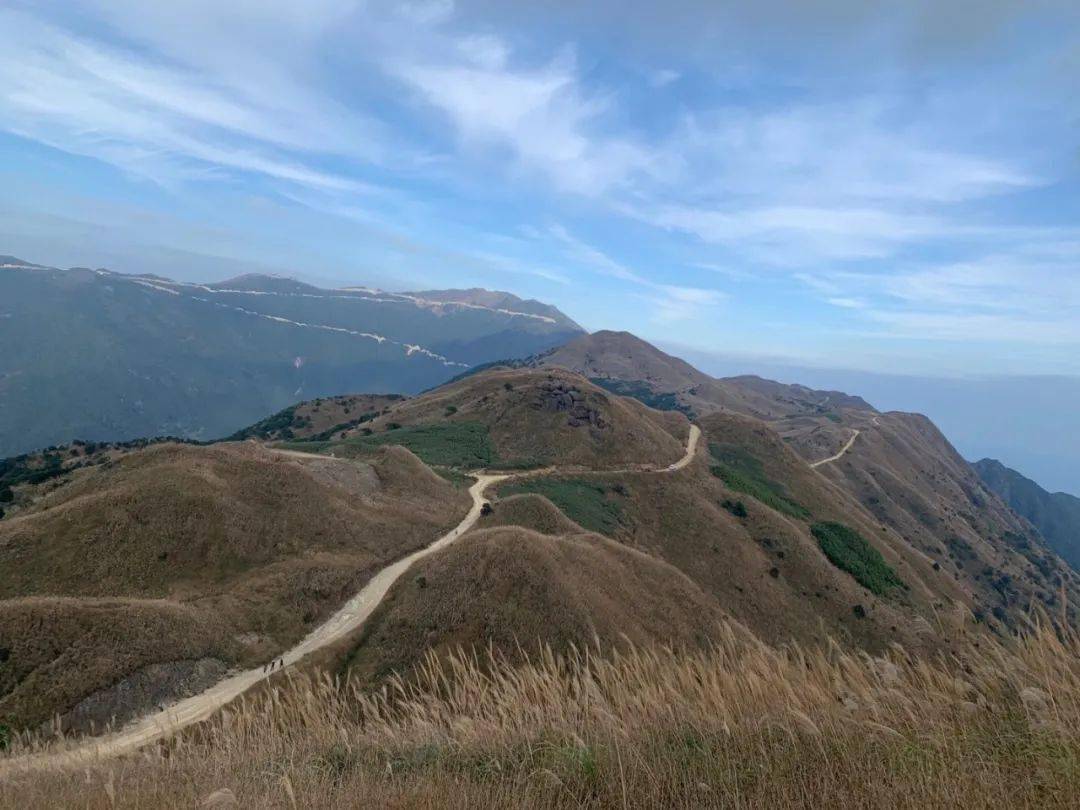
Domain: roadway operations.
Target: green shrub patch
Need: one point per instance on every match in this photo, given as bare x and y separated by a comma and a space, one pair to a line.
449, 444
849, 551
743, 473
593, 505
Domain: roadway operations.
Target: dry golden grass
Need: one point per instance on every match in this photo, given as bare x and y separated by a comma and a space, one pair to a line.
177, 553
508, 587
739, 725
549, 416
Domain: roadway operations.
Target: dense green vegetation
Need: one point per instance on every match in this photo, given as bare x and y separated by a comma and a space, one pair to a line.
450, 444
849, 551
643, 392
278, 424
737, 508
28, 469
743, 473
593, 505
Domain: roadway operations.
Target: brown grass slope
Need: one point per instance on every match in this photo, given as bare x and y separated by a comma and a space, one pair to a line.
627, 358
246, 546
511, 589
736, 725
907, 474
530, 511
549, 416
900, 469
765, 569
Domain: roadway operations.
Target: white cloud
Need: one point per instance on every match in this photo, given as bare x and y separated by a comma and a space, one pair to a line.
155, 118
540, 115
595, 258
426, 12
484, 51
672, 302
1028, 293
818, 153
875, 197
662, 78
848, 303
793, 236
973, 327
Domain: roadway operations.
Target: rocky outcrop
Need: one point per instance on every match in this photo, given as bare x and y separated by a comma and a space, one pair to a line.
560, 397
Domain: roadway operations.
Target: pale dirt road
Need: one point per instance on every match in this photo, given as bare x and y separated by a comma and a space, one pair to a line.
691, 448
854, 435
354, 613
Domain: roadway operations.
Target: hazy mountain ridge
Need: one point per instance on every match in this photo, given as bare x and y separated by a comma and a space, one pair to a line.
1055, 514
99, 355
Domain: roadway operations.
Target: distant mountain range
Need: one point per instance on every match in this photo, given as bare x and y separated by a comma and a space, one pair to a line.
1055, 514
98, 355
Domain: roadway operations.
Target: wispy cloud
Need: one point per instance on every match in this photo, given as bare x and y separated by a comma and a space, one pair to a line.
540, 115
672, 302
150, 117
796, 236
1027, 293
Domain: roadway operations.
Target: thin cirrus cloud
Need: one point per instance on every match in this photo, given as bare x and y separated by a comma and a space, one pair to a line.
540, 115
915, 198
1028, 295
671, 302
151, 118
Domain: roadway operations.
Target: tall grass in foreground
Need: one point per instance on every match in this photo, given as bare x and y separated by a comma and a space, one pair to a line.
740, 725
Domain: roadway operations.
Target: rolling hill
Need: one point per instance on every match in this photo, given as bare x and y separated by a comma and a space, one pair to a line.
749, 522
800, 516
148, 574
898, 467
104, 356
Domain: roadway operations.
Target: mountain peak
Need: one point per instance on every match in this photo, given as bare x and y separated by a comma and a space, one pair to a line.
14, 262
624, 356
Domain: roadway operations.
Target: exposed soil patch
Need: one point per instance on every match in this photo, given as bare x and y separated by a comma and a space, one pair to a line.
143, 692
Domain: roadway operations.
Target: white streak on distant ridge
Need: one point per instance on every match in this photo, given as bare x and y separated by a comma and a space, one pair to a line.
377, 296
409, 348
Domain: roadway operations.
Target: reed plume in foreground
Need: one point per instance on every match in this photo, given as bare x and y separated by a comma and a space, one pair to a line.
738, 725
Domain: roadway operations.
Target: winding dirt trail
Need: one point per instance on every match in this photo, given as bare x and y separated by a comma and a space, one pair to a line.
854, 435
354, 613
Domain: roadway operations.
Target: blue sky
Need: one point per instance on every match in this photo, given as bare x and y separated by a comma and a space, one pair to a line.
889, 187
